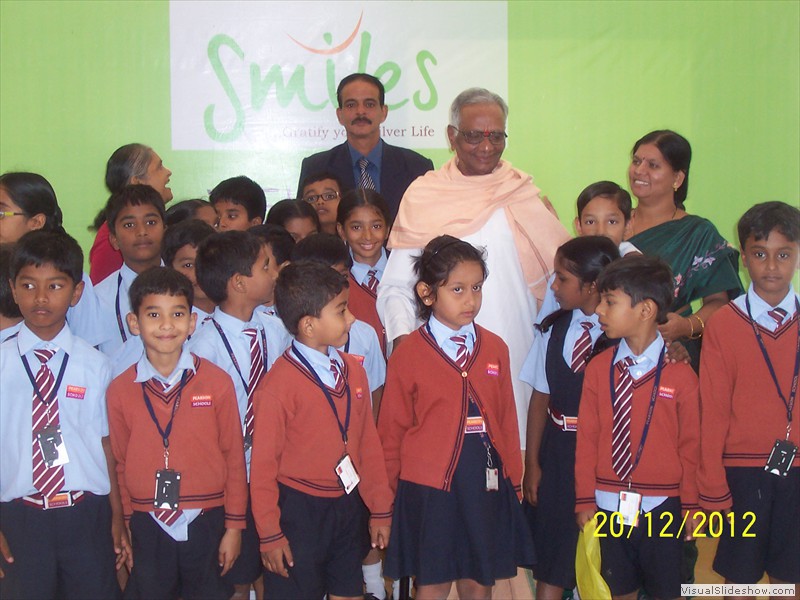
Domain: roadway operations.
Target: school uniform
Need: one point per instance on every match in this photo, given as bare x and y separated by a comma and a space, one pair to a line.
297, 497
210, 343
9, 331
742, 417
362, 343
664, 472
87, 319
552, 521
177, 554
364, 281
67, 549
447, 524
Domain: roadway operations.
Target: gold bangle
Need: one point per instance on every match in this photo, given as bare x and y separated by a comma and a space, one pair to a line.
699, 334
691, 324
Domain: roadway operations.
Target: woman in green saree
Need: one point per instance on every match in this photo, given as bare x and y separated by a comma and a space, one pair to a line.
704, 265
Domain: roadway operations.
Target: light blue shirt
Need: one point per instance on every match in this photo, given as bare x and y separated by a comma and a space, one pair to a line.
374, 157
81, 407
88, 319
759, 307
9, 331
360, 271
321, 363
364, 345
442, 334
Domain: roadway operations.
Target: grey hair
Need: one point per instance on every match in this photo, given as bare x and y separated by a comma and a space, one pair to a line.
475, 95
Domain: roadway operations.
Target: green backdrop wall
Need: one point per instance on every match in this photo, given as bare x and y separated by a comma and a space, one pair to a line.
586, 79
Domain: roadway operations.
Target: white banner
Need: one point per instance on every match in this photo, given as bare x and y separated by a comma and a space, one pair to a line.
263, 75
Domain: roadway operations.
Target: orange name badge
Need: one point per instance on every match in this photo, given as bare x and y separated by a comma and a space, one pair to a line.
203, 401
359, 358
359, 393
76, 391
492, 369
475, 425
666, 392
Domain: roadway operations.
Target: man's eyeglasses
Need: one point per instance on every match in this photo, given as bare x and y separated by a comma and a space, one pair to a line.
5, 214
475, 137
327, 197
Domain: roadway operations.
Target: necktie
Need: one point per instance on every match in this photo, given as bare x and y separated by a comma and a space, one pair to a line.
168, 517
337, 374
621, 433
778, 314
372, 280
365, 181
256, 372
48, 480
582, 348
462, 354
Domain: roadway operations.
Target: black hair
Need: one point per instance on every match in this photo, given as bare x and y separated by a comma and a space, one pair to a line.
325, 248
191, 232
184, 210
303, 289
587, 256
243, 191
136, 194
164, 281
56, 248
127, 162
362, 197
277, 238
642, 278
290, 208
34, 195
8, 308
677, 151
762, 219
609, 190
319, 176
438, 259
365, 78
220, 257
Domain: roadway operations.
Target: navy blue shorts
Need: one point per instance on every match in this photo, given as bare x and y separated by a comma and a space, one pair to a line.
775, 546
328, 542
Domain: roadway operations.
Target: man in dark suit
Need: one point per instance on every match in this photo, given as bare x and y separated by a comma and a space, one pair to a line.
365, 160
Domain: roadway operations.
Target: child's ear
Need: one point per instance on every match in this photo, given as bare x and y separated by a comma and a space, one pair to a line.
628, 231
192, 323
237, 284
577, 224
648, 310
340, 230
37, 221
743, 257
306, 326
112, 239
77, 293
425, 293
133, 323
256, 221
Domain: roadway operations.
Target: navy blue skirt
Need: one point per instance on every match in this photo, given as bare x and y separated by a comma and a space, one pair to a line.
466, 533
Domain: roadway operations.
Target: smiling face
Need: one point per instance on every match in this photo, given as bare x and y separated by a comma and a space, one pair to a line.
365, 232
771, 264
361, 113
44, 294
456, 302
157, 177
184, 262
481, 158
651, 177
138, 231
602, 216
164, 323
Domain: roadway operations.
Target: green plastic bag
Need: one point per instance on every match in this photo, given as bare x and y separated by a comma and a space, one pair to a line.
591, 585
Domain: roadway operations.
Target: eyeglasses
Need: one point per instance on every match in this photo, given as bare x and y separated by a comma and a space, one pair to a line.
475, 137
327, 197
5, 214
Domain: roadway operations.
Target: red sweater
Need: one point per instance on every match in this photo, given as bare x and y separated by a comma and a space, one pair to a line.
205, 444
297, 442
742, 414
668, 464
103, 258
362, 305
425, 405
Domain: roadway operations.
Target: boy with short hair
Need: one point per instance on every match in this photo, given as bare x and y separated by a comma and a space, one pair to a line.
638, 436
323, 191
317, 454
235, 271
176, 438
135, 217
179, 251
748, 385
280, 244
240, 203
60, 516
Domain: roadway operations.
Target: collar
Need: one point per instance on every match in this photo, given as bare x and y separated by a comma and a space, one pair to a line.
374, 156
270, 311
645, 361
360, 270
201, 314
318, 360
146, 371
442, 333
9, 331
578, 316
233, 325
27, 341
759, 307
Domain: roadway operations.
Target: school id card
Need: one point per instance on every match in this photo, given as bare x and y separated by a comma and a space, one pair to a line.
347, 474
51, 443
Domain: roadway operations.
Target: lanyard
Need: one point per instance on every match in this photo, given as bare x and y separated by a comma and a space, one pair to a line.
165, 432
793, 393
342, 428
347, 343
653, 397
33, 379
233, 356
119, 315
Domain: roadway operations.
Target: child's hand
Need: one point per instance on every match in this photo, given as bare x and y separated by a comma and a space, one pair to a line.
229, 549
530, 483
6, 552
583, 517
122, 543
676, 352
693, 526
380, 536
275, 561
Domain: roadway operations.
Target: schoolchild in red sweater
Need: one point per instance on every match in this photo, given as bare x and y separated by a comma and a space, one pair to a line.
638, 429
316, 458
448, 425
175, 434
748, 387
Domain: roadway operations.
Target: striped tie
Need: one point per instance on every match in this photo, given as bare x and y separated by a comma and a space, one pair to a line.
256, 372
778, 314
48, 480
621, 433
337, 375
462, 354
582, 348
168, 517
372, 280
365, 181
